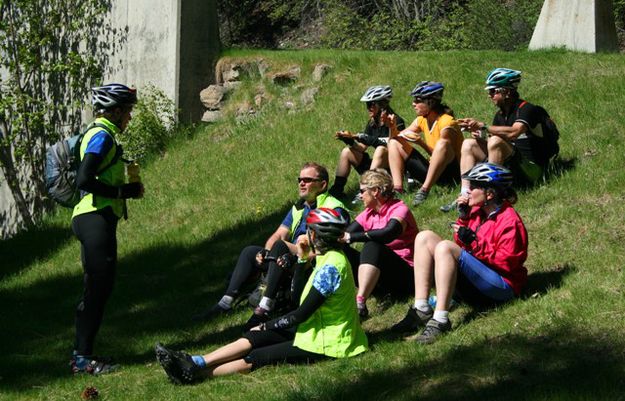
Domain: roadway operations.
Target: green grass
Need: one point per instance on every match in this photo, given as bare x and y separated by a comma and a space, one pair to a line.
231, 184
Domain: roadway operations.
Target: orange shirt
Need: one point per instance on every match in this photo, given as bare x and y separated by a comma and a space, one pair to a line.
431, 135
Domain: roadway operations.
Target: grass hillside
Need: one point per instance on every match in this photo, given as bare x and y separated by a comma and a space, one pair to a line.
231, 184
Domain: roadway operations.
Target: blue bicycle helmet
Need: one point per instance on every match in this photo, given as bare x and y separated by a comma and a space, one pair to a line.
113, 95
428, 90
489, 174
503, 78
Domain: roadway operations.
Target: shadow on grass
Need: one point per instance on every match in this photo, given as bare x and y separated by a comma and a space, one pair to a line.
156, 292
558, 365
25, 247
542, 282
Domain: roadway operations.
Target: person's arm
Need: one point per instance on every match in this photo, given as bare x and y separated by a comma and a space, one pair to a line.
509, 133
504, 132
86, 180
413, 134
393, 229
325, 283
282, 233
311, 303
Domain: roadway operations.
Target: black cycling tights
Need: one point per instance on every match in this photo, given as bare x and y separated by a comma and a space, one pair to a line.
417, 165
98, 239
396, 276
272, 347
247, 269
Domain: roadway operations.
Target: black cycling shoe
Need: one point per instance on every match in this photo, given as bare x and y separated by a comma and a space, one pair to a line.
178, 365
95, 366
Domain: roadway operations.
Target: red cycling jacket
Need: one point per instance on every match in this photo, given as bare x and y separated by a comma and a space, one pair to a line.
501, 243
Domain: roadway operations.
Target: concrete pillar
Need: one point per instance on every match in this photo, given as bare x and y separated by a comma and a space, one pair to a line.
583, 25
172, 44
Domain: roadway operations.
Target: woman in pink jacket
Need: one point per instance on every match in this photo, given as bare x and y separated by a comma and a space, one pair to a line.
485, 263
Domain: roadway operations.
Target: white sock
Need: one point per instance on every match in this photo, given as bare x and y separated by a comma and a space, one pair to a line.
441, 316
266, 303
226, 302
422, 305
465, 191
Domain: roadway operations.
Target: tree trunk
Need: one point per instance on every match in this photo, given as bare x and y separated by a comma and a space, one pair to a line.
12, 177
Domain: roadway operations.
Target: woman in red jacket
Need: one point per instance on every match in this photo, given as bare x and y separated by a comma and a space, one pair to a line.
485, 263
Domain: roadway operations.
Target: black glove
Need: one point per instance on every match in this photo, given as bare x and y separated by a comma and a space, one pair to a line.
131, 190
466, 235
263, 253
286, 261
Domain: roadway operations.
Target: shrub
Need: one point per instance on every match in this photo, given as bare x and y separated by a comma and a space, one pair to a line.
152, 125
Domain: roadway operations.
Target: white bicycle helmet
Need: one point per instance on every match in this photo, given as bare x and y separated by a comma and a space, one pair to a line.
377, 93
112, 95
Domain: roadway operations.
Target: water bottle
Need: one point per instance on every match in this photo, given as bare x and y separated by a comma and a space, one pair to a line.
132, 171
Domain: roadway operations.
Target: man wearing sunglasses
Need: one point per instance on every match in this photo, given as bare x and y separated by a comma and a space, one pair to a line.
278, 254
376, 135
515, 136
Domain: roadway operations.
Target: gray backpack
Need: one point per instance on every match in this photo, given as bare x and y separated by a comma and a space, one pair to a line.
62, 163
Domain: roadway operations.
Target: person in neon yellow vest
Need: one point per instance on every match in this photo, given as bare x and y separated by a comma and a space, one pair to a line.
279, 247
325, 325
102, 181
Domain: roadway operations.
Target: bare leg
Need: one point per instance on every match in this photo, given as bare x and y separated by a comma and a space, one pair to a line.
473, 151
442, 155
380, 158
230, 352
228, 368
446, 257
397, 155
424, 247
368, 276
350, 157
498, 150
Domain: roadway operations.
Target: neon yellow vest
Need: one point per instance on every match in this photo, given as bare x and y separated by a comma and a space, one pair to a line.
333, 329
113, 175
323, 200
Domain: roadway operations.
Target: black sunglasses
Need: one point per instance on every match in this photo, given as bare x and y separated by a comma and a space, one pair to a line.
307, 180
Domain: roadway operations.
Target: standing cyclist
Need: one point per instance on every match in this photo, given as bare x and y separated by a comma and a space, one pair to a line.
101, 179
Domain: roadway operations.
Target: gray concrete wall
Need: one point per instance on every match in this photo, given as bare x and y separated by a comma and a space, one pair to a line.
582, 25
171, 44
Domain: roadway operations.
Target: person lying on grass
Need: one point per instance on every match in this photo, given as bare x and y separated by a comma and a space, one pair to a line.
485, 263
325, 324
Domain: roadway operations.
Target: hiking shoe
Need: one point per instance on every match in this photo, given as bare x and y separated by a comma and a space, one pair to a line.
412, 321
210, 313
92, 365
363, 312
420, 197
178, 365
259, 316
433, 330
448, 207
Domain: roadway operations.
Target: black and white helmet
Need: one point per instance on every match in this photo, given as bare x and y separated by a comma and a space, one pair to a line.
489, 174
112, 95
377, 93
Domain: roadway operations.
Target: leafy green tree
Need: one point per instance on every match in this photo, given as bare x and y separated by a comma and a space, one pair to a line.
51, 51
